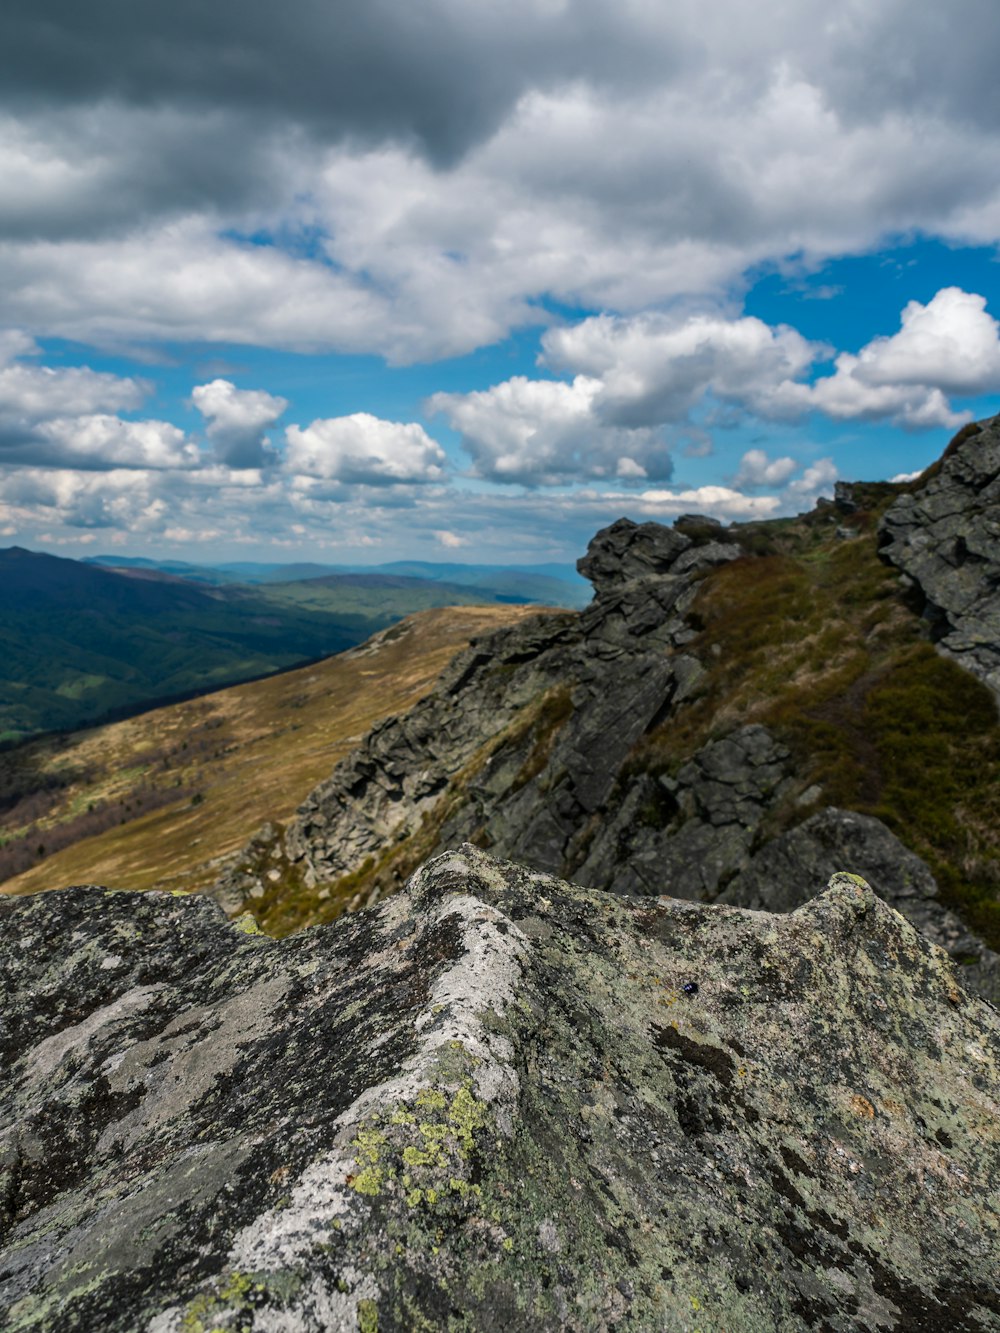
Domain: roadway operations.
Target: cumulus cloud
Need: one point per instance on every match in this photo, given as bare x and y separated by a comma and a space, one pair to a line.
546, 432
415, 180
756, 469
717, 501
364, 449
805, 490
949, 346
238, 420
655, 368
450, 540
65, 417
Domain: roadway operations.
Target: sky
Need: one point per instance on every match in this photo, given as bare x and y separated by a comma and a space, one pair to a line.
470, 279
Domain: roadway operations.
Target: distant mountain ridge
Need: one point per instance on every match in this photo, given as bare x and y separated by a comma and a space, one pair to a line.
552, 583
84, 640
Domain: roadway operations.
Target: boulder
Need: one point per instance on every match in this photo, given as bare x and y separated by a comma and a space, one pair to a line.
945, 538
494, 1102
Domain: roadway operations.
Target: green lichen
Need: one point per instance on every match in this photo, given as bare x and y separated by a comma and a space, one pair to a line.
420, 1154
202, 1314
367, 1316
246, 924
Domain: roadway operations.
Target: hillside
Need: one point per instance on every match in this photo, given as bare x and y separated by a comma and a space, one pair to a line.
83, 642
740, 713
158, 798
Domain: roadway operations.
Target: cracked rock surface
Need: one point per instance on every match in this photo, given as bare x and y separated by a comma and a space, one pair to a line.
494, 1101
945, 538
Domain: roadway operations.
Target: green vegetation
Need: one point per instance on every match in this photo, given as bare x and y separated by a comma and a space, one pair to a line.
113, 805
813, 641
83, 643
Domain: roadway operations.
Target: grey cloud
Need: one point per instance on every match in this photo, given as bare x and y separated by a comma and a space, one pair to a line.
440, 72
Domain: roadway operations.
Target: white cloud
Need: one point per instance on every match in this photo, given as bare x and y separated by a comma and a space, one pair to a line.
65, 417
546, 432
103, 441
667, 178
364, 449
804, 491
655, 368
237, 421
717, 501
756, 469
450, 540
31, 393
950, 345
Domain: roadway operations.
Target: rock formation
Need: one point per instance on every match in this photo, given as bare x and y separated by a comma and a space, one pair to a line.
945, 538
494, 1101
525, 746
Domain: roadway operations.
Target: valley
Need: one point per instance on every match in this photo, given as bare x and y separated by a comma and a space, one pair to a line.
213, 768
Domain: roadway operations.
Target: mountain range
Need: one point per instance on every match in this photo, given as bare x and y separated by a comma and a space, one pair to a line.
653, 980
84, 640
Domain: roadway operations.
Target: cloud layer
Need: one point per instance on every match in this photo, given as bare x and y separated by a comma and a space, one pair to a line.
413, 181
417, 182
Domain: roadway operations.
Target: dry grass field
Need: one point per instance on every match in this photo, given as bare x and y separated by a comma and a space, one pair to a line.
185, 785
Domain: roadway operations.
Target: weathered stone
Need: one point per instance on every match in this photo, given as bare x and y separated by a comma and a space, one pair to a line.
785, 872
945, 537
620, 665
495, 1102
628, 550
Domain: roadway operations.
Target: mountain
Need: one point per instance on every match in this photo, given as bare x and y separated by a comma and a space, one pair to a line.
717, 1082
550, 584
83, 641
157, 799
495, 1101
738, 714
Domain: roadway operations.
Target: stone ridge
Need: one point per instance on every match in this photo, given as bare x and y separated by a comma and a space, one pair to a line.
945, 538
523, 748
494, 1102
572, 693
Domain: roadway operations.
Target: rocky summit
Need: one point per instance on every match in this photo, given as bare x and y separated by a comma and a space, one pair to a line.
621, 748
495, 1101
946, 540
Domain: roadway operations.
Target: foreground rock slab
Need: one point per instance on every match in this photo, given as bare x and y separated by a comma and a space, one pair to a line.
495, 1101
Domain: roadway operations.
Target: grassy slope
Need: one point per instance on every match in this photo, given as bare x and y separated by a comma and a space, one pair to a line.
808, 635
814, 641
82, 642
238, 757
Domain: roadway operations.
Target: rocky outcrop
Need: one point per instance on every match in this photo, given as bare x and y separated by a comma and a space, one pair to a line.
495, 1101
778, 876
945, 538
561, 694
524, 747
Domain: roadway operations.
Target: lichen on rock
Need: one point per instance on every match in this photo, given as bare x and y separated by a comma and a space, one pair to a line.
495, 1100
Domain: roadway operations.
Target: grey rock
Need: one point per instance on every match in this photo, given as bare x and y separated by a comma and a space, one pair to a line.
787, 871
691, 837
945, 538
495, 1102
844, 497
628, 550
622, 666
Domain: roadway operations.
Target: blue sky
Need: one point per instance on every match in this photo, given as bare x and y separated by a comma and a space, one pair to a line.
471, 281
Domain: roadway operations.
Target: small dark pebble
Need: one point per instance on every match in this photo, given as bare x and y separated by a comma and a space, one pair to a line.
690, 988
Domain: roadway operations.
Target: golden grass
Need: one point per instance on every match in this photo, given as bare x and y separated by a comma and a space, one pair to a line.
251, 753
